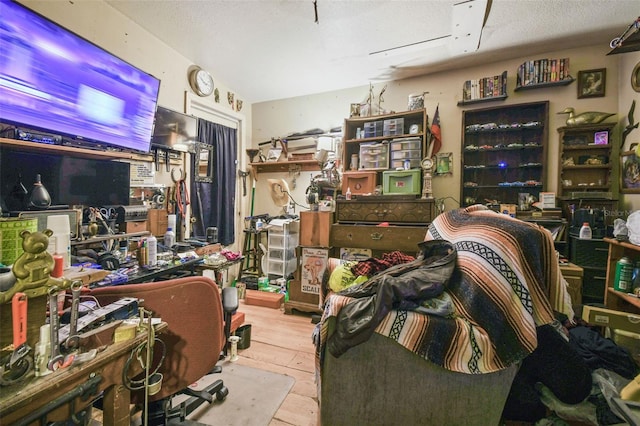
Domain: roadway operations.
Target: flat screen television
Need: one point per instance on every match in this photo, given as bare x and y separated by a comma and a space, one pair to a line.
174, 130
69, 180
51, 79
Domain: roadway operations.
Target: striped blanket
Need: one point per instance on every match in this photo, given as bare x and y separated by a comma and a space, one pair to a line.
506, 283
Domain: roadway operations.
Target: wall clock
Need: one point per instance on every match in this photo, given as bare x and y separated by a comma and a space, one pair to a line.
635, 77
201, 82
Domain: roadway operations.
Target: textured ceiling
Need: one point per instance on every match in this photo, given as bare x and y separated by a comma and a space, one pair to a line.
274, 49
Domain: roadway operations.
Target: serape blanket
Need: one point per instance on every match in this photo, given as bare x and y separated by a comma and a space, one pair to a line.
506, 283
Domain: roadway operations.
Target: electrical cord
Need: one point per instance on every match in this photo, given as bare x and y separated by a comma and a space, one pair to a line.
294, 201
140, 384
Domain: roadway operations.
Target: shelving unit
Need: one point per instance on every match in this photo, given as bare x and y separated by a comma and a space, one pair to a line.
565, 82
483, 100
284, 166
414, 125
504, 153
484, 89
615, 299
75, 151
282, 243
584, 162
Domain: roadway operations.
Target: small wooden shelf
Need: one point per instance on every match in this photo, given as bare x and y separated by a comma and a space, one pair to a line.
384, 138
616, 299
75, 151
482, 100
587, 147
284, 166
564, 82
628, 298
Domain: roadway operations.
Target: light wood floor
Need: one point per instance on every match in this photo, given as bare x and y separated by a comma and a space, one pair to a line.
282, 343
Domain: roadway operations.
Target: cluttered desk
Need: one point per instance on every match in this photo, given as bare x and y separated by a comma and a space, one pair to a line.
56, 362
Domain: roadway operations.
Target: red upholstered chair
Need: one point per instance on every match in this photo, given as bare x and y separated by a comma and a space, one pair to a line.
195, 338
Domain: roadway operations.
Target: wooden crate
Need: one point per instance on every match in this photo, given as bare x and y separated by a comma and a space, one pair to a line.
315, 228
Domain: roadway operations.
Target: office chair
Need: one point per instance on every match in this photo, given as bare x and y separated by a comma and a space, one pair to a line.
198, 318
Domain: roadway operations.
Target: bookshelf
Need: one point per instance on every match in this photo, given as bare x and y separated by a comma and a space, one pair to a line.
484, 89
540, 73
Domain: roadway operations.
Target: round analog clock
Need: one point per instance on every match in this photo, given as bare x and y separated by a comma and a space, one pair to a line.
427, 163
201, 82
635, 78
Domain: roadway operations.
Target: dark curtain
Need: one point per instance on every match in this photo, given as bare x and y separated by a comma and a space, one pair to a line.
213, 204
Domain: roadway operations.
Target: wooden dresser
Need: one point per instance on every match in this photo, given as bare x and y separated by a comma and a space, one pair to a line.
357, 223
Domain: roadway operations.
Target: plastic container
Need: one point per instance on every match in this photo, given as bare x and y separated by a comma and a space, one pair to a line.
169, 238
244, 332
171, 221
347, 196
585, 231
61, 244
152, 250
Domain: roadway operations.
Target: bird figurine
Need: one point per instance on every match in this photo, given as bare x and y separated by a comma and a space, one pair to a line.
588, 117
631, 126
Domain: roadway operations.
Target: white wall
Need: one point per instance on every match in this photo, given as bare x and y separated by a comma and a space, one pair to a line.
279, 118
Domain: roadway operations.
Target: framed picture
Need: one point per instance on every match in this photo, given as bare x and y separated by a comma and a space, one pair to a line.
629, 172
591, 83
444, 163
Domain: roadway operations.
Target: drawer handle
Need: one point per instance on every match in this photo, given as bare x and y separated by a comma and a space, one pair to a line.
376, 236
602, 249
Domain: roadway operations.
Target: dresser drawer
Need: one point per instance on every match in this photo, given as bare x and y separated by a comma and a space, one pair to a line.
374, 211
382, 238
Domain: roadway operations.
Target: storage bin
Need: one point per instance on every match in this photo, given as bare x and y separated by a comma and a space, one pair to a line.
393, 126
406, 154
406, 182
359, 182
373, 129
406, 143
282, 267
374, 156
282, 241
399, 164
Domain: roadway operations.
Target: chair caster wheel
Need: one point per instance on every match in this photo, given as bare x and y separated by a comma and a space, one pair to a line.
222, 393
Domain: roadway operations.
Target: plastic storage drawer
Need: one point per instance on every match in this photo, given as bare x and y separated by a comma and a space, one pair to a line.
374, 156
407, 182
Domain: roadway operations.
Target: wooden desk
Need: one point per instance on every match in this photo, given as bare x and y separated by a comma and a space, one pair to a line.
20, 401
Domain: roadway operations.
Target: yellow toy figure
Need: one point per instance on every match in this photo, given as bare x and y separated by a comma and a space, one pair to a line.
33, 268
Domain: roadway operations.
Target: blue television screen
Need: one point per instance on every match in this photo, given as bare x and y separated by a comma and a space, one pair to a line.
52, 79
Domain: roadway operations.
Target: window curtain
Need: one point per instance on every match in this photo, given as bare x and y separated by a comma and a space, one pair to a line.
213, 204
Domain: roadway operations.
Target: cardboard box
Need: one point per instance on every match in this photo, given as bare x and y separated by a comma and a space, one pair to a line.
264, 298
548, 200
609, 318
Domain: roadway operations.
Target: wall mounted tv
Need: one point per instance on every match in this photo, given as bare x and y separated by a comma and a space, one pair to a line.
174, 130
54, 80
